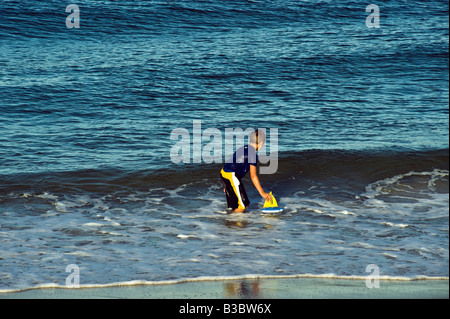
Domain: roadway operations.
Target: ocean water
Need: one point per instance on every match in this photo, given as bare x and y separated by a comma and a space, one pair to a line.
86, 116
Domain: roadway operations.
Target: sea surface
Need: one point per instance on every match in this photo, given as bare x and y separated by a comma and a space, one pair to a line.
87, 116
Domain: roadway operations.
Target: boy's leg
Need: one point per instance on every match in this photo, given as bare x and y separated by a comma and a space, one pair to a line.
237, 198
232, 200
243, 197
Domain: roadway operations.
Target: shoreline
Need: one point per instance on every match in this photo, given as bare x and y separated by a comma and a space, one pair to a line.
248, 287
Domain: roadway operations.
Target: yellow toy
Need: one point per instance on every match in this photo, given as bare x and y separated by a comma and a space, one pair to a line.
271, 206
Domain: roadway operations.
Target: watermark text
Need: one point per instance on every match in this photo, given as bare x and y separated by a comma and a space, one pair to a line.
219, 147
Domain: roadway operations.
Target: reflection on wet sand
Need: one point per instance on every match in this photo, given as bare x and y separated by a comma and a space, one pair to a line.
242, 289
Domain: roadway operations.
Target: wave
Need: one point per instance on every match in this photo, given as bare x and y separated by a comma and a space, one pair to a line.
351, 170
219, 278
335, 201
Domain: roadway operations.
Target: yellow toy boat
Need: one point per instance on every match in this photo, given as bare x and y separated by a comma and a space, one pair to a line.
271, 206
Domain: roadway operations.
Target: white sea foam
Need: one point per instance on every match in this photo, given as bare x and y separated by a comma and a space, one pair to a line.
310, 236
397, 185
237, 243
46, 195
78, 253
182, 236
220, 278
395, 225
346, 212
93, 224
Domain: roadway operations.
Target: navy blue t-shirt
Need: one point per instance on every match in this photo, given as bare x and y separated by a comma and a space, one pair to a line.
241, 161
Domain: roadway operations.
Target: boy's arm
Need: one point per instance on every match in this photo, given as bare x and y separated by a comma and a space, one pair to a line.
255, 180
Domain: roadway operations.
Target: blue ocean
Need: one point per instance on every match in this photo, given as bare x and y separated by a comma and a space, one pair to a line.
89, 98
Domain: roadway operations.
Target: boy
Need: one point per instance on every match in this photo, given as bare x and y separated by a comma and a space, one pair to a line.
244, 159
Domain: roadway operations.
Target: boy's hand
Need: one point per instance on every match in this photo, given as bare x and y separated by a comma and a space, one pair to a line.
267, 196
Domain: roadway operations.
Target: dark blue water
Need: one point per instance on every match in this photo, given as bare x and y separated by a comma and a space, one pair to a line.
86, 116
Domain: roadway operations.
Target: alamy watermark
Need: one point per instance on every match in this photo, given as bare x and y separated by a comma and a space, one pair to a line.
373, 19
73, 19
219, 147
73, 280
373, 279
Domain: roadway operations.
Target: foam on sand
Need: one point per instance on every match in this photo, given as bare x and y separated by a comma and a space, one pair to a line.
303, 286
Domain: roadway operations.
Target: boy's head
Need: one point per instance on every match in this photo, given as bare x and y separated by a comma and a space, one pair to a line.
257, 139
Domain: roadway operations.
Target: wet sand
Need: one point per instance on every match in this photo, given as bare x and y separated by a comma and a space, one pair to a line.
288, 288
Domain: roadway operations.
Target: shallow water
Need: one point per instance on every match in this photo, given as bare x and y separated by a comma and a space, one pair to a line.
86, 176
